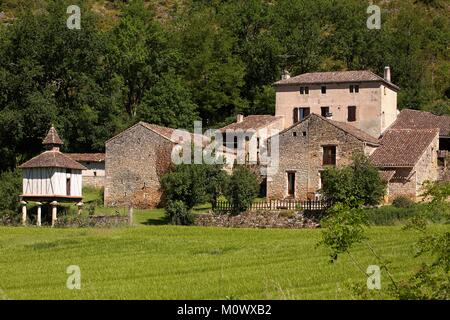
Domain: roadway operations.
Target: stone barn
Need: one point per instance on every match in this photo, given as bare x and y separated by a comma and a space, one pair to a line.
307, 148
135, 161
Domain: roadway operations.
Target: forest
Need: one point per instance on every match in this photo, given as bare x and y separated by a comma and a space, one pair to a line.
175, 61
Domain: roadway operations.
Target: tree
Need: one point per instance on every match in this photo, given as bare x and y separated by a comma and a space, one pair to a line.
169, 103
10, 189
354, 185
242, 189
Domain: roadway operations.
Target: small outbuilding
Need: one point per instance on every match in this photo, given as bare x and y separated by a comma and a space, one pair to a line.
51, 177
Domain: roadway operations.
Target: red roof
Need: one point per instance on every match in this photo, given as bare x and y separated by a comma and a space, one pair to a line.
335, 77
252, 122
403, 147
52, 137
414, 119
87, 157
52, 159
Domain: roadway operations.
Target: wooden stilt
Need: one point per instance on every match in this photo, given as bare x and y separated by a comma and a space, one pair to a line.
80, 207
24, 212
39, 214
54, 205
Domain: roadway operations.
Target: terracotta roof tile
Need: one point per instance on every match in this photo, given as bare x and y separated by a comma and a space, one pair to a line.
414, 119
402, 147
335, 77
361, 135
52, 137
87, 157
53, 159
252, 122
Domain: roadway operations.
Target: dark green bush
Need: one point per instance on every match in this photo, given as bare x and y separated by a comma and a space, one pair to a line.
242, 189
390, 215
356, 184
10, 189
402, 202
178, 213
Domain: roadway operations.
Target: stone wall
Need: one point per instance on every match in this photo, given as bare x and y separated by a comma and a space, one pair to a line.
135, 161
300, 151
94, 181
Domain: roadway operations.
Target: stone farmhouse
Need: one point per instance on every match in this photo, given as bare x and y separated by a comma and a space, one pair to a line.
321, 119
307, 147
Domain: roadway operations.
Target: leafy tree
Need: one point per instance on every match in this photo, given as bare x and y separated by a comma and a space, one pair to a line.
10, 189
354, 185
193, 184
169, 103
242, 189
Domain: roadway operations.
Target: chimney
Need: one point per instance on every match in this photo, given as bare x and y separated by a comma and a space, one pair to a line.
387, 74
239, 118
285, 75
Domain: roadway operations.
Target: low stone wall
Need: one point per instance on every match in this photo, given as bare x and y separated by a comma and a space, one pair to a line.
262, 219
92, 221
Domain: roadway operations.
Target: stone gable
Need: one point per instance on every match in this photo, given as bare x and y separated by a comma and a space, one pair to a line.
134, 163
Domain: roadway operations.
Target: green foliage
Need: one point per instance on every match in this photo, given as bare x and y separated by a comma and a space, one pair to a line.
178, 213
10, 189
242, 189
170, 64
194, 184
169, 103
343, 227
402, 202
356, 184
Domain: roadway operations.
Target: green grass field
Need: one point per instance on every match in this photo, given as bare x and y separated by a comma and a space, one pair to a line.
171, 262
153, 260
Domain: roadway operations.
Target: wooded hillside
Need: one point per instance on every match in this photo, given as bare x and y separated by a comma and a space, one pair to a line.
170, 62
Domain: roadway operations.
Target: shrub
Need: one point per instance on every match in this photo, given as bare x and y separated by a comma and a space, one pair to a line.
178, 213
242, 189
402, 202
356, 184
10, 189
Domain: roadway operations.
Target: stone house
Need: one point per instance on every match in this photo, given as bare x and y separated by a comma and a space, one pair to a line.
362, 98
137, 158
94, 175
307, 148
406, 159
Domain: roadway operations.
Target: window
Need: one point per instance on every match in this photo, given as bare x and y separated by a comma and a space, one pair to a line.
304, 112
295, 115
351, 88
304, 90
294, 134
323, 89
351, 114
300, 114
329, 155
291, 183
235, 142
324, 111
354, 88
304, 133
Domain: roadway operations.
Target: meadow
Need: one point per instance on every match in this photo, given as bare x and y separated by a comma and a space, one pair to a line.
174, 262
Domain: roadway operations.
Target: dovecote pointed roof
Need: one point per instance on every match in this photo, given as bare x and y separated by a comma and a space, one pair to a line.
52, 137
